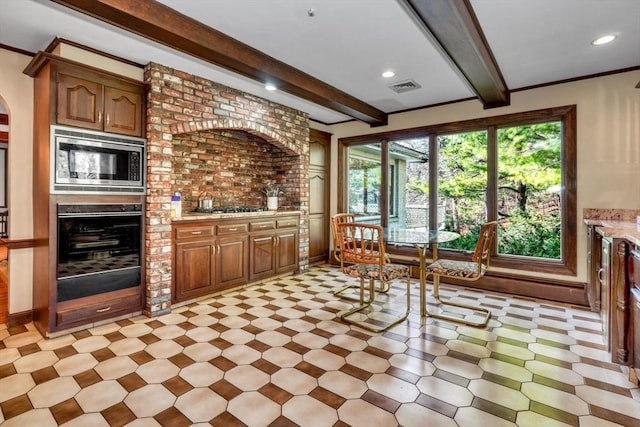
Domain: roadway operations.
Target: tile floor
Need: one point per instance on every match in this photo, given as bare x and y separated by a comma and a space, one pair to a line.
274, 354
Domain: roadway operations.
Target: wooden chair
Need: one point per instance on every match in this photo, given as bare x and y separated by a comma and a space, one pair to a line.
465, 270
363, 256
337, 219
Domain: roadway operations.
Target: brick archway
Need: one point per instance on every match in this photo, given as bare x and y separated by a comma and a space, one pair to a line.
180, 104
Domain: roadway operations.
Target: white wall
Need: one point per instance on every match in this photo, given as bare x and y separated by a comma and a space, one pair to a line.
608, 121
16, 93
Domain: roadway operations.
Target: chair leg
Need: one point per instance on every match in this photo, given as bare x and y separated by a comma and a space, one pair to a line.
436, 295
365, 304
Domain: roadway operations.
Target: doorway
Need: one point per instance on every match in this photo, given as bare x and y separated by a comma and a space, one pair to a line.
4, 234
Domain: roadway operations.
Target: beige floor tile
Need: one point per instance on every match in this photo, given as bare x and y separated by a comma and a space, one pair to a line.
201, 374
157, 371
307, 411
93, 420
359, 413
411, 364
533, 419
149, 400
164, 349
35, 361
343, 384
324, 359
347, 342
53, 392
136, 330
414, 415
554, 352
37, 417
241, 354
472, 417
469, 349
263, 410
202, 334
247, 377
564, 375
612, 401
459, 367
282, 357
294, 381
373, 364
115, 367
555, 398
75, 364
9, 355
310, 340
89, 344
394, 388
202, 352
445, 391
127, 346
200, 405
591, 421
169, 332
171, 319
496, 393
100, 396
511, 350
606, 376
272, 338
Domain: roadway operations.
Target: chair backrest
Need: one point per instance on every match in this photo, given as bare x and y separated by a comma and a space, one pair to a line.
361, 243
339, 218
483, 247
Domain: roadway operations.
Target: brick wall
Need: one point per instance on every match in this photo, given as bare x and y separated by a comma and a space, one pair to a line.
236, 141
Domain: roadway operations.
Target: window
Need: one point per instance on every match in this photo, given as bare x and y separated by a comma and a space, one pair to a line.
518, 169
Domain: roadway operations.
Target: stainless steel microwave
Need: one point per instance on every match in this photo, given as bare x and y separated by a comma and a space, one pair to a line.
84, 161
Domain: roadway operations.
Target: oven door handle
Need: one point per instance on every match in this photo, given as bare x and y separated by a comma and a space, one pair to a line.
84, 215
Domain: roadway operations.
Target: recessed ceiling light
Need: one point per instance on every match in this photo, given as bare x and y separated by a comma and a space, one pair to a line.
603, 40
388, 74
270, 87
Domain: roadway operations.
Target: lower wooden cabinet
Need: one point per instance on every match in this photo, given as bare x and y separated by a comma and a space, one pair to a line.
213, 255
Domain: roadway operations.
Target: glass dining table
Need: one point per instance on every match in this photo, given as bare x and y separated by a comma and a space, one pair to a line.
421, 239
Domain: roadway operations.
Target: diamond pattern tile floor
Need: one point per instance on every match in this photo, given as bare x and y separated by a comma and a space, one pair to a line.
275, 354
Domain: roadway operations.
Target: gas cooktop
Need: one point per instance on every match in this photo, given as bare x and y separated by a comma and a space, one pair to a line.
229, 209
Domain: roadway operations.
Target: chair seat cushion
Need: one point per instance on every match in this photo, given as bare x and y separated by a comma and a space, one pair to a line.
372, 271
461, 269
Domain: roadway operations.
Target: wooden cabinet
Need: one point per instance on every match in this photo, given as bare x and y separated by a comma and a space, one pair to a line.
92, 99
616, 299
69, 93
273, 247
213, 255
94, 105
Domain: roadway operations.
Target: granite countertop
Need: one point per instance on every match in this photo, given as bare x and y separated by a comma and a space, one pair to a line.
204, 216
615, 223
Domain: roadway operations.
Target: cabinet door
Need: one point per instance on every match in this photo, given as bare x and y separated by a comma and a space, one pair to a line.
194, 269
232, 259
122, 111
287, 251
605, 291
79, 102
263, 256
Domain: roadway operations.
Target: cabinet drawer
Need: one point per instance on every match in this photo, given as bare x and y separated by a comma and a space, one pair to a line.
263, 225
232, 228
288, 223
190, 232
97, 311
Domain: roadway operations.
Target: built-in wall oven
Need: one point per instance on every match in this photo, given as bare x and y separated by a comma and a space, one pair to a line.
99, 248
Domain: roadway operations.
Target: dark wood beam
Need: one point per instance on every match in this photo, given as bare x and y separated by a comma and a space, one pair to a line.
164, 25
454, 27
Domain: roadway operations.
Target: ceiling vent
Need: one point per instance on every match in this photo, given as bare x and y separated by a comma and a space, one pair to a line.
405, 86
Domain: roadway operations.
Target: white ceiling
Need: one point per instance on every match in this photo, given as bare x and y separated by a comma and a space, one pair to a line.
348, 43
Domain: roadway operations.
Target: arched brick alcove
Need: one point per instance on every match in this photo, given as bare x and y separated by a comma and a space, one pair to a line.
183, 107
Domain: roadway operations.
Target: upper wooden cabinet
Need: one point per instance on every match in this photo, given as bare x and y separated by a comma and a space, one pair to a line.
89, 98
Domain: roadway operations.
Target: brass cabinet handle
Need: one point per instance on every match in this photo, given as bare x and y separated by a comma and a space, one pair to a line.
99, 116
600, 270
195, 233
102, 310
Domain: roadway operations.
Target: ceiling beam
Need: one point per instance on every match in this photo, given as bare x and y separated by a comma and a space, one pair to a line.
166, 26
454, 27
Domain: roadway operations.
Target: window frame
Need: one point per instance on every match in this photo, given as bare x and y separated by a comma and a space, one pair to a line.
566, 115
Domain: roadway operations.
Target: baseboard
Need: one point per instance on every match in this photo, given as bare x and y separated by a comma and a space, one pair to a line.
21, 318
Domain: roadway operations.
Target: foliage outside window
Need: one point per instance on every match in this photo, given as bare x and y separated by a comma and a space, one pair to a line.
517, 169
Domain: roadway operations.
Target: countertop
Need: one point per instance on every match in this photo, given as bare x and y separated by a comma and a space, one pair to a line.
238, 215
616, 229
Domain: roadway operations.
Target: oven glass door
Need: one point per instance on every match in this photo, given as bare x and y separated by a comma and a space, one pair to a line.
98, 253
